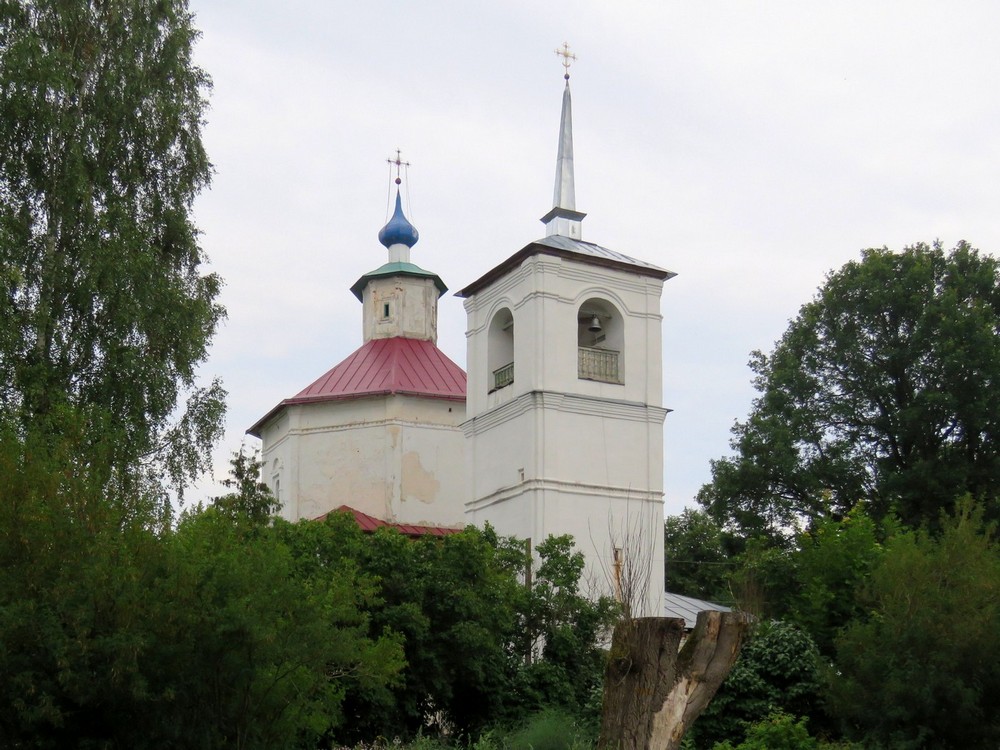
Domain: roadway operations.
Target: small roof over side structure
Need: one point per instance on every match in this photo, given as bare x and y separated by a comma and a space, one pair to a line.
687, 608
369, 524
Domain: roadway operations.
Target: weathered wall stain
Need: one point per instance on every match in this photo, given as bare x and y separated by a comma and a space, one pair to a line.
418, 483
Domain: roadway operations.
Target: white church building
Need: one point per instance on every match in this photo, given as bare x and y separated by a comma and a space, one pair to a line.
556, 429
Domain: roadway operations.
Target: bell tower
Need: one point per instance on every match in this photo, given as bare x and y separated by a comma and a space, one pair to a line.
564, 414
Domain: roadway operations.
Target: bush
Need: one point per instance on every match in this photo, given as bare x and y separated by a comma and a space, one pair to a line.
779, 731
549, 730
923, 668
776, 672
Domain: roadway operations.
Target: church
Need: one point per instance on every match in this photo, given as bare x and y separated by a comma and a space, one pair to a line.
556, 428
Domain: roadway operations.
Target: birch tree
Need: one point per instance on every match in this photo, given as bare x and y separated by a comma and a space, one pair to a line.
106, 309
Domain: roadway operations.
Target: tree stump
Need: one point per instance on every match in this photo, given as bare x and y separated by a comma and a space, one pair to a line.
653, 689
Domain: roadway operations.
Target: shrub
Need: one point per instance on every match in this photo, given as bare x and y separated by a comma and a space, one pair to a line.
550, 729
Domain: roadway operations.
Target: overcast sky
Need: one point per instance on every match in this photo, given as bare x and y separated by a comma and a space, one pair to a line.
751, 147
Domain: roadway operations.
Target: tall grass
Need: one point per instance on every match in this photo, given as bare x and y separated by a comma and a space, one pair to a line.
549, 729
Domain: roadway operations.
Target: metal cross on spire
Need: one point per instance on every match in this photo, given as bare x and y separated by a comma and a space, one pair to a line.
399, 164
567, 57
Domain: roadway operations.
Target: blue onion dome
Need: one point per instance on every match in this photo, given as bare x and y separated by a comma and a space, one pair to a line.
399, 231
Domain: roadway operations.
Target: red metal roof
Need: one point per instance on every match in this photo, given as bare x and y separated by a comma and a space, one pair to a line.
380, 367
396, 365
368, 524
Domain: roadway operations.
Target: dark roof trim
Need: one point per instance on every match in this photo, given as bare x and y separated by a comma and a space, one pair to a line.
398, 268
535, 248
563, 213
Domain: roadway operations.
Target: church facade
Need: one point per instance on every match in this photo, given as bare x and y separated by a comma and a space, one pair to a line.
559, 420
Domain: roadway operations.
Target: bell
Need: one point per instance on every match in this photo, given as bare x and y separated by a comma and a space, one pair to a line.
595, 325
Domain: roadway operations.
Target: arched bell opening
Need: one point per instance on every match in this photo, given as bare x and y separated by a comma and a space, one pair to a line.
500, 351
600, 336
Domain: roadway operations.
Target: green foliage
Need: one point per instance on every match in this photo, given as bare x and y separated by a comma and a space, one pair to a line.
452, 605
251, 500
833, 561
69, 590
763, 580
922, 669
696, 556
467, 625
548, 730
232, 629
106, 313
282, 646
777, 670
425, 742
108, 616
559, 627
205, 636
779, 731
880, 391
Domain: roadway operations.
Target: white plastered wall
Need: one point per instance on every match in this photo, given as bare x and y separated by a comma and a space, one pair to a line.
411, 303
390, 456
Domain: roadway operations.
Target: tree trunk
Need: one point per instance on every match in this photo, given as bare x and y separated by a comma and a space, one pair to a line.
652, 691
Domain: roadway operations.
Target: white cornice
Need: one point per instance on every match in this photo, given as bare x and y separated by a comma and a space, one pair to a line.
570, 403
621, 494
366, 424
540, 266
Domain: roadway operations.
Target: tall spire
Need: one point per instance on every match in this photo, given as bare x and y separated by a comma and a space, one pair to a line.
564, 219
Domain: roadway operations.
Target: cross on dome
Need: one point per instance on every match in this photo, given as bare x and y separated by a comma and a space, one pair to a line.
399, 164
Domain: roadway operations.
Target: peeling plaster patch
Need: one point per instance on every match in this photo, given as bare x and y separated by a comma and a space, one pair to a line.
418, 483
